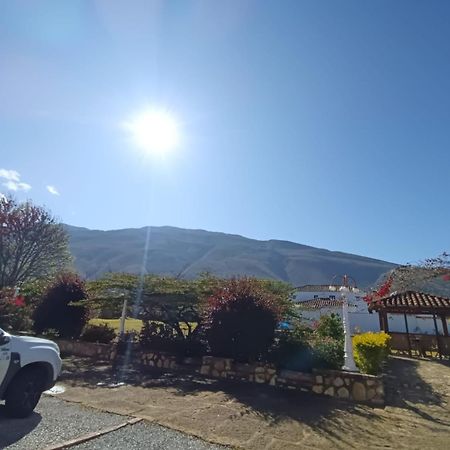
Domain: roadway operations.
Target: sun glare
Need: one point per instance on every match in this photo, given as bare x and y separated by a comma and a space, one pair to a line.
154, 131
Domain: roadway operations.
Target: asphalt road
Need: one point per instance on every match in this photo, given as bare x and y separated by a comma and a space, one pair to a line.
56, 421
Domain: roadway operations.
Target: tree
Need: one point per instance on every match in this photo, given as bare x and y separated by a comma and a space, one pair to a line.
241, 318
32, 243
62, 307
431, 275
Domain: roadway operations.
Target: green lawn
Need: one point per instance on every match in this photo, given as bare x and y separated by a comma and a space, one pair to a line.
130, 324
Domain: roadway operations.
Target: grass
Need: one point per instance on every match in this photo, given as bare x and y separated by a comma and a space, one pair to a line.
132, 324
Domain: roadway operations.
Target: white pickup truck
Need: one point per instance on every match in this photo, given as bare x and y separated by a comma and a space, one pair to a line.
28, 367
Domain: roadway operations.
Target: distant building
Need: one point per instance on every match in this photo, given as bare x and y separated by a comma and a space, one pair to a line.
319, 300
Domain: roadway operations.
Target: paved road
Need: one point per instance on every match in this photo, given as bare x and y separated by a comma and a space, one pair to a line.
56, 421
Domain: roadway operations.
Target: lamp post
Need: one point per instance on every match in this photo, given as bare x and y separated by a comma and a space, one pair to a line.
344, 289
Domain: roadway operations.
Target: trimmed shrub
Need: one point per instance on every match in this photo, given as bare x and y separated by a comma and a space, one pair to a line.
60, 309
98, 333
241, 318
371, 350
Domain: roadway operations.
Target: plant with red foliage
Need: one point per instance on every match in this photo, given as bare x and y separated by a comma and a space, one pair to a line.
241, 318
381, 292
61, 309
14, 311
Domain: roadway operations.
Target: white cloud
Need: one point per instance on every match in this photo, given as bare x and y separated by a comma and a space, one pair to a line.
12, 180
11, 175
2, 196
16, 186
52, 190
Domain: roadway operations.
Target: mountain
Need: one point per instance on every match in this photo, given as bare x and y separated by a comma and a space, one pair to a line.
186, 253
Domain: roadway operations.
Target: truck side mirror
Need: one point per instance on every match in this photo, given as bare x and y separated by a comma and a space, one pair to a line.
4, 339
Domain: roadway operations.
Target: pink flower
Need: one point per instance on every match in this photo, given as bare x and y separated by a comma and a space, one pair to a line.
19, 301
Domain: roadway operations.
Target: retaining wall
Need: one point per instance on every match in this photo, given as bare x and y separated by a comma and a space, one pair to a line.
357, 387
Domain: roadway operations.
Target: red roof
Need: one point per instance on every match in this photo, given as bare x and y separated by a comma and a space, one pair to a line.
318, 303
411, 301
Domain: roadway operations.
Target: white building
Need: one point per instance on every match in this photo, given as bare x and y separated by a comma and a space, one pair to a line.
319, 300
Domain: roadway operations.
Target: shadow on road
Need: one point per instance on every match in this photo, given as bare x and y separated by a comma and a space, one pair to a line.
13, 430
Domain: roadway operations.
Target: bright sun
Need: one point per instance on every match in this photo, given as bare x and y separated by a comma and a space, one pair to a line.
154, 131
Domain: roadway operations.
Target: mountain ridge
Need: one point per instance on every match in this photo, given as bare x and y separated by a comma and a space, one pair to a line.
187, 252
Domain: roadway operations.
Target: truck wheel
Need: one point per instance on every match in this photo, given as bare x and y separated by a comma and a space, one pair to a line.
23, 393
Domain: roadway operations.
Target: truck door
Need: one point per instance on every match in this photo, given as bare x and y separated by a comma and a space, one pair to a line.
5, 354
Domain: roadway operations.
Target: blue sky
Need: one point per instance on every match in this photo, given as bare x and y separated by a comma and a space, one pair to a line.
321, 122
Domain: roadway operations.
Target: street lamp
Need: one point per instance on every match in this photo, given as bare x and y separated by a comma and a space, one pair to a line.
344, 289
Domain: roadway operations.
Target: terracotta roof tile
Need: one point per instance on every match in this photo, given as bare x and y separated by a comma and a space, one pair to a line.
318, 303
411, 301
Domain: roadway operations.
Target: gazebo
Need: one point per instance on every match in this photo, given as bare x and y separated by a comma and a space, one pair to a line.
415, 303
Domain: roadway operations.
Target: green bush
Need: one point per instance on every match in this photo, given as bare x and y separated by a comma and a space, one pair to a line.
241, 318
162, 337
370, 351
291, 349
327, 353
98, 333
330, 326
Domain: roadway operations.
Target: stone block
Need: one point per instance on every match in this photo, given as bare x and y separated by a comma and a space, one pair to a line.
343, 392
219, 365
273, 380
215, 373
338, 382
359, 391
319, 379
380, 390
370, 394
371, 382
259, 370
329, 391
204, 370
159, 364
317, 389
260, 378
347, 381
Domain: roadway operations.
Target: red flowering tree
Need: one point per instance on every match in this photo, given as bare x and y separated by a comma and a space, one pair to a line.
33, 245
426, 275
241, 318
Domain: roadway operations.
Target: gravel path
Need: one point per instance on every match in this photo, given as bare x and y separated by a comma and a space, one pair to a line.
56, 421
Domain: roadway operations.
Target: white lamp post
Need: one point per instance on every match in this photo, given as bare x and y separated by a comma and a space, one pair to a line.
349, 361
123, 318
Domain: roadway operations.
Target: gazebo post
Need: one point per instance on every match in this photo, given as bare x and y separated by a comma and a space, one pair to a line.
380, 318
407, 334
437, 336
444, 325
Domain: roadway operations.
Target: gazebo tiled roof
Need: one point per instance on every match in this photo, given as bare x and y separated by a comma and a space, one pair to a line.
412, 302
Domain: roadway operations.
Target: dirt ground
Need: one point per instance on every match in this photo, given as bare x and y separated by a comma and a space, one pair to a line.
417, 414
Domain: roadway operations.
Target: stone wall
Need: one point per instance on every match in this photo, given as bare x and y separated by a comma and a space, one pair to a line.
159, 360
91, 349
358, 387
